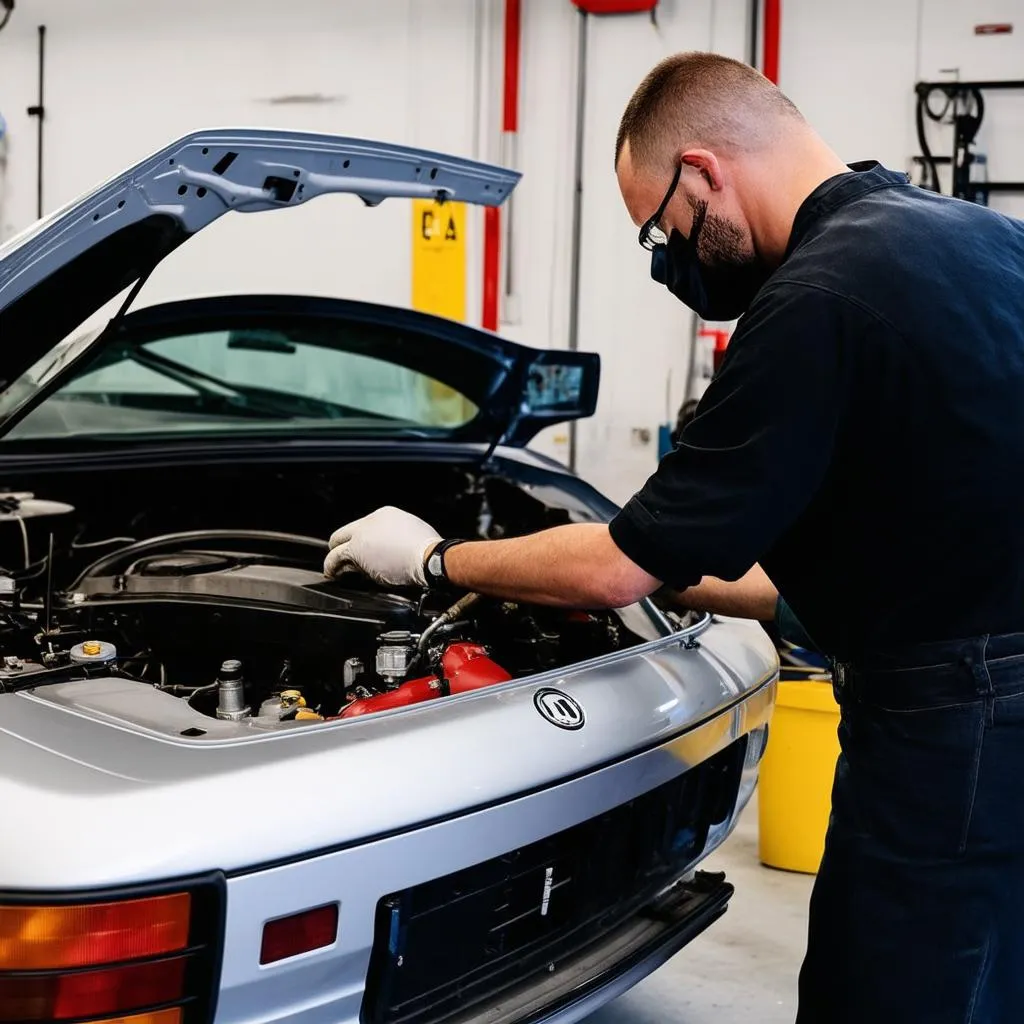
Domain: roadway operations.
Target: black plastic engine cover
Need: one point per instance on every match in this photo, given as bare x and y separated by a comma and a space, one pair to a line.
229, 577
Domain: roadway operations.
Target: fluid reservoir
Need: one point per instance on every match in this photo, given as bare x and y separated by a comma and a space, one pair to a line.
282, 704
92, 652
26, 523
271, 708
394, 655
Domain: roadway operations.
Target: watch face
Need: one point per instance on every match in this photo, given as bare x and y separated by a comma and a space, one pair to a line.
434, 564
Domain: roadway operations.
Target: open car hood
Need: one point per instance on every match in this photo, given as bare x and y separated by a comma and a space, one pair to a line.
63, 269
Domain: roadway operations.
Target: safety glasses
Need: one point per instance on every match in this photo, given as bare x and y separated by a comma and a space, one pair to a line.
652, 234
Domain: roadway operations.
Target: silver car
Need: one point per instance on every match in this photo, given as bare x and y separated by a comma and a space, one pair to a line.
234, 790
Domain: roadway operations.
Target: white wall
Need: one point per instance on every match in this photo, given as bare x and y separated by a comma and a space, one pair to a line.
124, 76
642, 332
852, 68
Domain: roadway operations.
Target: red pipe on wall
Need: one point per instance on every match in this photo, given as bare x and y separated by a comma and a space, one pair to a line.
510, 106
492, 267
772, 33
509, 126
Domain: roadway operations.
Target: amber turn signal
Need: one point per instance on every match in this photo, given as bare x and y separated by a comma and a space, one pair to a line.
57, 937
172, 1016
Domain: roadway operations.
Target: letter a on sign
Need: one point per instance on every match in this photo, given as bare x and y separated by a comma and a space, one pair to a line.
439, 258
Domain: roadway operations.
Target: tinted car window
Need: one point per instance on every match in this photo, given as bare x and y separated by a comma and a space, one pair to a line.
246, 377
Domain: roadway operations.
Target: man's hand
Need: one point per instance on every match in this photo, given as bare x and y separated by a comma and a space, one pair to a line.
389, 545
574, 566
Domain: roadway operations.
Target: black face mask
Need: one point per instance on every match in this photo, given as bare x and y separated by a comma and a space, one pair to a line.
713, 292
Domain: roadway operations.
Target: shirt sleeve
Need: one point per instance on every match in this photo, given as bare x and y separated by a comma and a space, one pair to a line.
758, 448
791, 628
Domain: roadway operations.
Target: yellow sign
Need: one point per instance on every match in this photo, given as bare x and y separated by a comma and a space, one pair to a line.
439, 258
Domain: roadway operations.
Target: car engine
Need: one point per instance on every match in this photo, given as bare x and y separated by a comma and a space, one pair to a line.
243, 627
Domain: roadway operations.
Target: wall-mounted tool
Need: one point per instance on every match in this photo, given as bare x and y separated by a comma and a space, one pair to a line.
963, 108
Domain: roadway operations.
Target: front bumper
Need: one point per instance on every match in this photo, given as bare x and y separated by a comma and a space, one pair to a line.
616, 963
328, 986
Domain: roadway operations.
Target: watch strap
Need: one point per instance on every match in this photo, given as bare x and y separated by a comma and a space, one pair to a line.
434, 567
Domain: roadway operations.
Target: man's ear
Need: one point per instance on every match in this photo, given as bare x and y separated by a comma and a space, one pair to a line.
706, 164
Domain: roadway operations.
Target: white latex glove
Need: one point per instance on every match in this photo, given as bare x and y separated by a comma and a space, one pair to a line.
389, 545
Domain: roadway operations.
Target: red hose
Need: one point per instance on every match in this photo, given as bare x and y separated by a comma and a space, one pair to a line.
414, 692
772, 35
465, 667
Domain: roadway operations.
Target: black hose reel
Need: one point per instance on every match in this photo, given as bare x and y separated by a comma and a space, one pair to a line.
962, 106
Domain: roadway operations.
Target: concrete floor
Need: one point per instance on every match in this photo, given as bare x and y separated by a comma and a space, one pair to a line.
743, 969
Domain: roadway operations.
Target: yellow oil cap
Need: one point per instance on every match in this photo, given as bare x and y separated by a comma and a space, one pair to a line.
92, 647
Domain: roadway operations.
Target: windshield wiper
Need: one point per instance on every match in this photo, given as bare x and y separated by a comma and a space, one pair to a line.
70, 354
246, 398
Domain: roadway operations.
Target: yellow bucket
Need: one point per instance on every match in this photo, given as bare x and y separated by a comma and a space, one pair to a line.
795, 788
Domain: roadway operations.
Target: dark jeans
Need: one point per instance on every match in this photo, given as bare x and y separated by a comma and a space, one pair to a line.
918, 908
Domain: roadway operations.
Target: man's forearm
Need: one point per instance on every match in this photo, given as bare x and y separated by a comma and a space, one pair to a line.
753, 596
569, 566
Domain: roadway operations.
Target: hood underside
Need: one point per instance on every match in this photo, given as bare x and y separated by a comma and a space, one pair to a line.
67, 266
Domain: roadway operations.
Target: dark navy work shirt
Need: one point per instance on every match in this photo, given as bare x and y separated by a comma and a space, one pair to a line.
864, 439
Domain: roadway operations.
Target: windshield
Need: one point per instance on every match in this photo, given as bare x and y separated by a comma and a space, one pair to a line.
249, 376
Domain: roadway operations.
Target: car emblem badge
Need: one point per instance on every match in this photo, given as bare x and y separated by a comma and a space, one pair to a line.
559, 709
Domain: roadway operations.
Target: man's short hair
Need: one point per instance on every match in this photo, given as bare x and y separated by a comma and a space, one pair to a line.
700, 99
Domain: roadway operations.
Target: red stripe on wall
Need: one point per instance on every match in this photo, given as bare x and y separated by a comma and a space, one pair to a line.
509, 124
772, 31
510, 112
492, 267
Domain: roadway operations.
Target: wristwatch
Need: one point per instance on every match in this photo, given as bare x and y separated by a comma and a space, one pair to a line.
433, 567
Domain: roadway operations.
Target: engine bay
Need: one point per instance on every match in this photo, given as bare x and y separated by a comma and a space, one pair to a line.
238, 624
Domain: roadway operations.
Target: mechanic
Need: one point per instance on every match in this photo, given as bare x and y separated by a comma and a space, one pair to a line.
863, 441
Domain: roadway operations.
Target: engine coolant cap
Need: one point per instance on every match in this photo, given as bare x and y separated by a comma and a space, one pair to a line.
92, 651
